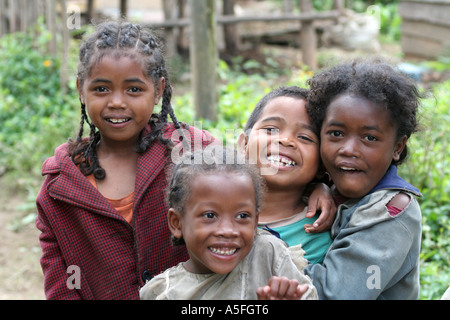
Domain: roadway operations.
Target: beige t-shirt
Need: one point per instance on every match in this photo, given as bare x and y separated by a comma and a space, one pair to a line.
268, 257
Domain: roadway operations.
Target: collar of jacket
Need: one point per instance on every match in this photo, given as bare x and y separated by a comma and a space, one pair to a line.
392, 180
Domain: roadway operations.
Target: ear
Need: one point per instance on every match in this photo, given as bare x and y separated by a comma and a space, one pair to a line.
399, 146
80, 91
174, 220
242, 143
160, 89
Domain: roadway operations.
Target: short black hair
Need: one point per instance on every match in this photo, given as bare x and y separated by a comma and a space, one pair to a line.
373, 79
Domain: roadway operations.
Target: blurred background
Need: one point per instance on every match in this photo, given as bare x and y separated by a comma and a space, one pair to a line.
219, 71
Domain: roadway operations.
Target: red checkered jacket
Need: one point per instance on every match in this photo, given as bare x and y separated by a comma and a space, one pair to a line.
80, 228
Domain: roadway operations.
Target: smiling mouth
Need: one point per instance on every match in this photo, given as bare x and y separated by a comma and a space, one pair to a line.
349, 169
281, 161
223, 251
116, 121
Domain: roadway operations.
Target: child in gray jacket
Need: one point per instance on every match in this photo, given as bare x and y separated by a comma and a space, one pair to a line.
366, 112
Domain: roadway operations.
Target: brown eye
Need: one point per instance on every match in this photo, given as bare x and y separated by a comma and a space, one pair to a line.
371, 138
135, 90
209, 215
243, 215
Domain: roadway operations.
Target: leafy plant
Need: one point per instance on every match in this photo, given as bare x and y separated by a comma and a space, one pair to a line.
428, 168
33, 110
36, 117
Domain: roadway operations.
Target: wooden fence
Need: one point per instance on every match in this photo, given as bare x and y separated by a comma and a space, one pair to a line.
425, 28
20, 15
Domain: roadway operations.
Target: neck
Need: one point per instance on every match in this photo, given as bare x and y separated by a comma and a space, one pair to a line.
281, 204
116, 156
123, 149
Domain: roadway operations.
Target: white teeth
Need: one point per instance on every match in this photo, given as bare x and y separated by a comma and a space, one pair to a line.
347, 169
281, 161
223, 251
118, 120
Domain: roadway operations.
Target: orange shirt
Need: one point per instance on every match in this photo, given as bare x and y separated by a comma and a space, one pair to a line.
124, 206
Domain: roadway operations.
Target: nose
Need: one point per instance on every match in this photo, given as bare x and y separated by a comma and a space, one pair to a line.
117, 100
226, 229
350, 148
286, 140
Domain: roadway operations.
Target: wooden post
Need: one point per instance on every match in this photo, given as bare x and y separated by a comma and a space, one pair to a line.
65, 47
339, 5
50, 18
90, 11
308, 37
3, 26
203, 57
288, 6
23, 12
12, 16
170, 13
123, 8
182, 44
230, 30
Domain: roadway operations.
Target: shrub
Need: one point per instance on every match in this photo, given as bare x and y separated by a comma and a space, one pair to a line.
428, 168
34, 113
36, 117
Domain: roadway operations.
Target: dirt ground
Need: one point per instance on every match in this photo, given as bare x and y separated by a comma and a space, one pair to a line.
20, 272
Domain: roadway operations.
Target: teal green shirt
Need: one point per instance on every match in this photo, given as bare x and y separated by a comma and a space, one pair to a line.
315, 244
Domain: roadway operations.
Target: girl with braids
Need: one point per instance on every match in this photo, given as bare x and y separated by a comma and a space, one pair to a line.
101, 208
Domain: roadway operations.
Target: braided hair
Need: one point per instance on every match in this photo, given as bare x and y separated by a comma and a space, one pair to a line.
121, 38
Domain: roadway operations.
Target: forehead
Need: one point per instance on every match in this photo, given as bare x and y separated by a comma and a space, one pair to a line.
286, 107
117, 63
221, 184
357, 111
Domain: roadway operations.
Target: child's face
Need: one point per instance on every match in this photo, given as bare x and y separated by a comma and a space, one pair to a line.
219, 222
358, 143
283, 144
119, 98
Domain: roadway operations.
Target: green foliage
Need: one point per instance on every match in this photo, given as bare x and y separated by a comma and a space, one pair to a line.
390, 21
36, 117
33, 109
387, 11
428, 168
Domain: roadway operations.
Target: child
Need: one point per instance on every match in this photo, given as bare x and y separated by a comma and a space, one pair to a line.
101, 208
214, 207
367, 111
280, 138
